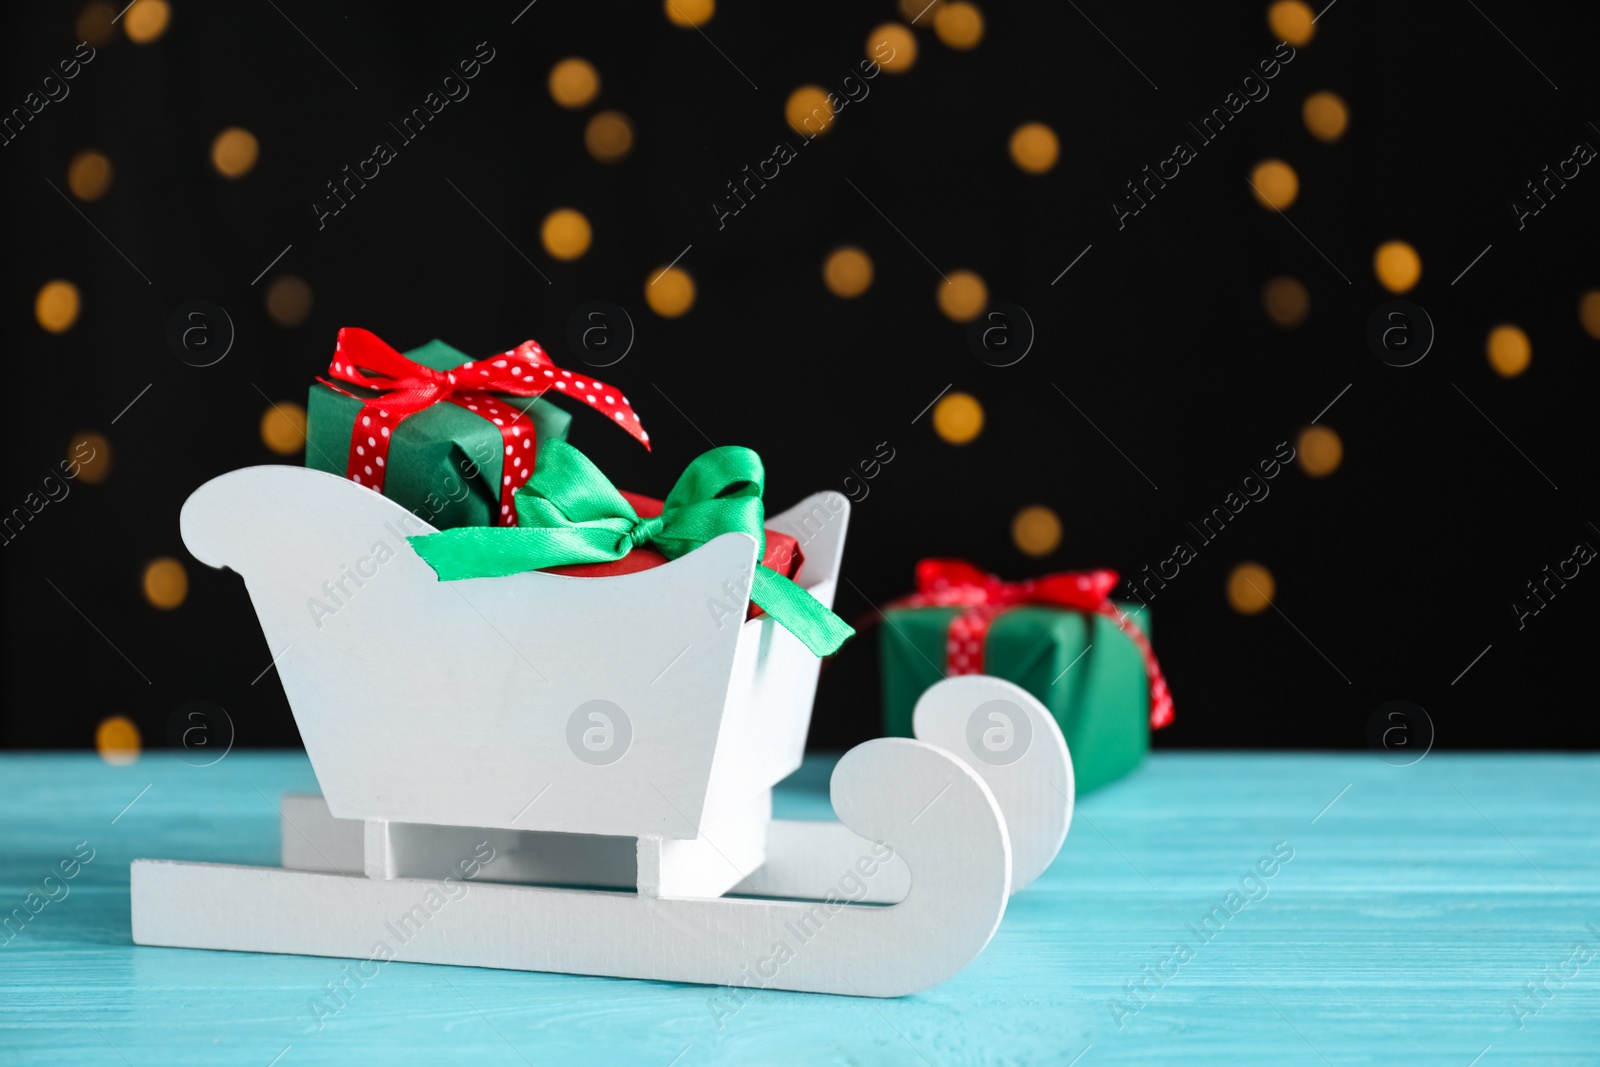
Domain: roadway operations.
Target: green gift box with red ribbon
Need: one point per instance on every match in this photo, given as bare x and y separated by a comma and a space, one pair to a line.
1060, 637
447, 437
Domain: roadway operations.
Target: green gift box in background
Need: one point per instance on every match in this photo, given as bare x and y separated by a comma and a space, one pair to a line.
448, 460
1080, 662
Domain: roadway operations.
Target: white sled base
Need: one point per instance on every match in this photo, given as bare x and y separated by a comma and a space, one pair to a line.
896, 897
552, 773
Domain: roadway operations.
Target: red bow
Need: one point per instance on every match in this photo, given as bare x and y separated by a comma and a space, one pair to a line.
407, 387
943, 583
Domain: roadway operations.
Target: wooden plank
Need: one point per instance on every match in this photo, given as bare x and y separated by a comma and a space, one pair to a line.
1413, 912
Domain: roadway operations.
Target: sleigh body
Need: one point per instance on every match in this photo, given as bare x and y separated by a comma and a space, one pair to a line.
622, 734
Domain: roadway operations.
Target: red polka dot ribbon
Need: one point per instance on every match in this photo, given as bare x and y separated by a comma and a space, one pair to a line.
406, 387
945, 583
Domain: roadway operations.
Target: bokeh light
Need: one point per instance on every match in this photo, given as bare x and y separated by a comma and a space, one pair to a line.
1035, 147
1397, 266
609, 136
146, 20
1274, 183
1509, 350
1326, 116
1286, 301
1036, 531
1292, 21
669, 292
234, 152
117, 740
893, 47
56, 306
89, 175
958, 24
958, 418
962, 296
288, 300
1589, 313
283, 427
574, 82
92, 453
689, 13
1319, 451
566, 233
95, 23
808, 111
847, 272
1251, 589
166, 583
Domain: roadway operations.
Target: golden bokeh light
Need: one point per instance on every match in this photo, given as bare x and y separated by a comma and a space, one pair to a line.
166, 583
95, 23
689, 13
574, 82
847, 272
1319, 451
1509, 350
92, 453
234, 152
1251, 589
56, 307
117, 740
1326, 116
893, 47
609, 136
1397, 266
1589, 313
283, 427
963, 296
1035, 147
808, 111
1292, 21
89, 175
288, 300
566, 234
146, 20
670, 292
1286, 301
958, 418
1274, 183
958, 24
1036, 530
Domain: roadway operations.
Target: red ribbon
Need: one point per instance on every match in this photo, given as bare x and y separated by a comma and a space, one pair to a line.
944, 583
406, 387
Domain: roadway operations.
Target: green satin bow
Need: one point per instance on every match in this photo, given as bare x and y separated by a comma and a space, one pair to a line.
570, 513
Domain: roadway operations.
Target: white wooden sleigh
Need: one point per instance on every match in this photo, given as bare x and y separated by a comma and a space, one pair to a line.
612, 743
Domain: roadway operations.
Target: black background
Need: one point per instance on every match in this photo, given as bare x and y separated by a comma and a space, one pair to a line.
1396, 571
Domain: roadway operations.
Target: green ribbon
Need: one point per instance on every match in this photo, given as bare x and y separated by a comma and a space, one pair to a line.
571, 513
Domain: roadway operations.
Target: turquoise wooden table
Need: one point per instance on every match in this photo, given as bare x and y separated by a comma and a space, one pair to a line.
1443, 913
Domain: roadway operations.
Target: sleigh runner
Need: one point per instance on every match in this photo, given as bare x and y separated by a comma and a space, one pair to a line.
612, 743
